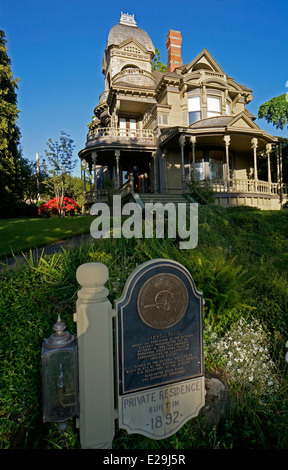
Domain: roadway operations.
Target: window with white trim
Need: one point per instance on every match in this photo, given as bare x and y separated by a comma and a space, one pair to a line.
213, 106
228, 108
194, 108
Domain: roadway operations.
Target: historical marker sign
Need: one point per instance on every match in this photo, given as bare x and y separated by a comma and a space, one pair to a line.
160, 349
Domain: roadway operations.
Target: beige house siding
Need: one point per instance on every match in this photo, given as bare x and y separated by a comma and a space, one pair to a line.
242, 169
173, 173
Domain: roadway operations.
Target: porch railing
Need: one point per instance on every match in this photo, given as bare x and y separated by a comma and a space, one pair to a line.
102, 195
245, 186
95, 196
125, 189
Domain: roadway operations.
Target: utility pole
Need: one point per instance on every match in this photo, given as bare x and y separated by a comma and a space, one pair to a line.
37, 175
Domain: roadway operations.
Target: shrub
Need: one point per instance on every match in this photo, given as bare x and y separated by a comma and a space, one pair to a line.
51, 208
202, 192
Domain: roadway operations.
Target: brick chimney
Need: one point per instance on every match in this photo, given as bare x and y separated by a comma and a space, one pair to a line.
173, 44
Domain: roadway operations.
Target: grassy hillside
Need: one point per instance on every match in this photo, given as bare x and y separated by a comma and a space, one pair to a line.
240, 264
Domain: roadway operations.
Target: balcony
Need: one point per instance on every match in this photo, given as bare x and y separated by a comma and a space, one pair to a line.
112, 135
134, 76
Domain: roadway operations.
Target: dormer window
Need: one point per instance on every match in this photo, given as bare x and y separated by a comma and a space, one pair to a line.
194, 109
213, 106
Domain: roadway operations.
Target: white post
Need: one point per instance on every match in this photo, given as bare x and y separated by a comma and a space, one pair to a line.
268, 151
280, 168
95, 350
254, 144
227, 139
193, 142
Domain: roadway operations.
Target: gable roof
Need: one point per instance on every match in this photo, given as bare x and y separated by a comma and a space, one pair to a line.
206, 60
242, 120
132, 40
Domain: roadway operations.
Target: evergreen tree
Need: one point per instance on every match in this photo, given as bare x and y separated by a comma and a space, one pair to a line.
10, 155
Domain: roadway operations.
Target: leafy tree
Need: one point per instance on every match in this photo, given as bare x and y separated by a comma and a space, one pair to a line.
10, 154
275, 111
59, 165
74, 188
156, 62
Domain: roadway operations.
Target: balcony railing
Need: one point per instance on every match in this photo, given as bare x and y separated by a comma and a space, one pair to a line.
146, 135
103, 96
133, 72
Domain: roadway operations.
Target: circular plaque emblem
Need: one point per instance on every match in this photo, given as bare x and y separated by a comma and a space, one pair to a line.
162, 301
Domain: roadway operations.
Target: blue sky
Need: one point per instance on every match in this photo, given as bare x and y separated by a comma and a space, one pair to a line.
57, 48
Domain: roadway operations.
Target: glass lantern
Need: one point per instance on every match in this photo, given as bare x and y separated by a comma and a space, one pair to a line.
60, 376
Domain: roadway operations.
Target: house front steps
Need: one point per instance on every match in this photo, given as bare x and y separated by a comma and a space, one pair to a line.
153, 198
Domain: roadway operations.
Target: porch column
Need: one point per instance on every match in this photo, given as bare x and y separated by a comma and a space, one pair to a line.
131, 180
268, 151
117, 155
182, 143
84, 176
227, 139
254, 144
82, 185
279, 168
154, 156
193, 143
164, 156
94, 158
281, 174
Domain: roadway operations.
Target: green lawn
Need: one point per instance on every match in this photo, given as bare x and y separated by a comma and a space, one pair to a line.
21, 234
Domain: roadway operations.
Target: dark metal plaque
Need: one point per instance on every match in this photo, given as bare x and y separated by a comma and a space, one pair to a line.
162, 301
159, 327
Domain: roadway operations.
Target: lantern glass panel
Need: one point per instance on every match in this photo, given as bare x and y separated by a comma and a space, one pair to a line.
60, 384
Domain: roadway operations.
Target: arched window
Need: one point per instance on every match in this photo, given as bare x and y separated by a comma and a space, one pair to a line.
129, 66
